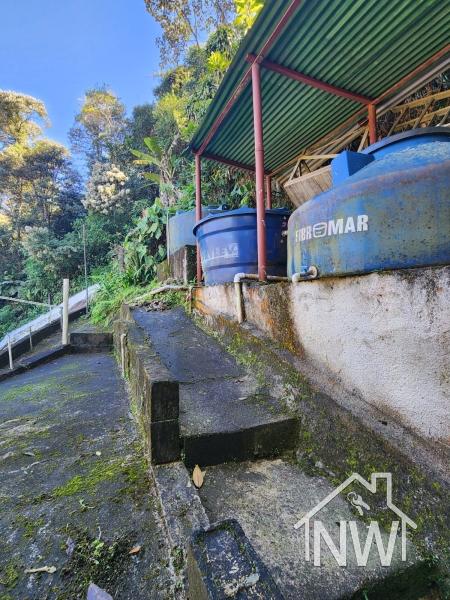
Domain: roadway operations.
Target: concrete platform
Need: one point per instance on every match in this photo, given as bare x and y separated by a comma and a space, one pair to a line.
269, 497
225, 412
75, 493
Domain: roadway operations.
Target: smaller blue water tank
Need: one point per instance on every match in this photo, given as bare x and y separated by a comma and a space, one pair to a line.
180, 227
228, 244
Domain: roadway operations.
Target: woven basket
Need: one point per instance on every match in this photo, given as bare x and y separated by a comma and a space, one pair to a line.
303, 188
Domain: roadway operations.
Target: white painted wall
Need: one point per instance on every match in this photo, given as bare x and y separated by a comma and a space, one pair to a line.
386, 336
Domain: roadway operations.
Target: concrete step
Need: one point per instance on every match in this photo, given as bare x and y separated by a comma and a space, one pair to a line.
225, 412
268, 498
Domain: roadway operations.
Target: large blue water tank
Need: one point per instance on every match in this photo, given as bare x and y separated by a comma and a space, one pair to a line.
392, 214
228, 244
180, 227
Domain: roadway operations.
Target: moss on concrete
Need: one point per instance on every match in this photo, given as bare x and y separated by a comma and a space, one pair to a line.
9, 575
334, 444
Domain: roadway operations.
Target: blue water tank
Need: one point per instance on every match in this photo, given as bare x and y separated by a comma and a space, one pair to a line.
228, 244
180, 227
394, 213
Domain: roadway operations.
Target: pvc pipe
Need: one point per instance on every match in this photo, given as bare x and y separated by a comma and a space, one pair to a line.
240, 308
309, 273
239, 299
65, 321
11, 362
268, 192
122, 352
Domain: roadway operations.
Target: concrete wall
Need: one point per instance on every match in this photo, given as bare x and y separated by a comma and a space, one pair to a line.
384, 336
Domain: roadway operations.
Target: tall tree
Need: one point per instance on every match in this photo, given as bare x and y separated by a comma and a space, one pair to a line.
18, 114
185, 22
36, 181
100, 127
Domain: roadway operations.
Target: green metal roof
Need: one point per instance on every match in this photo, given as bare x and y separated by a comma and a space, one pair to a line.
364, 46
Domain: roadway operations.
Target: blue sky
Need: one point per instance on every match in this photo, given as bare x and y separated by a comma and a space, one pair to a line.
56, 49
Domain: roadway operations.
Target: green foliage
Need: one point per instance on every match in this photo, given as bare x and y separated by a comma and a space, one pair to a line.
18, 113
246, 12
115, 289
15, 315
218, 61
144, 160
144, 245
48, 261
185, 22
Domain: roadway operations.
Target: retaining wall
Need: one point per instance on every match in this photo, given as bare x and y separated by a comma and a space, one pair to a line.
383, 336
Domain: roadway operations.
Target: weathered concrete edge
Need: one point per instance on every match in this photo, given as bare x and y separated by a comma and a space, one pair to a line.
35, 361
37, 336
182, 512
204, 576
91, 343
154, 392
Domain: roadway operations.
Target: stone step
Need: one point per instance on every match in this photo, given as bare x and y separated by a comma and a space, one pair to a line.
269, 497
225, 413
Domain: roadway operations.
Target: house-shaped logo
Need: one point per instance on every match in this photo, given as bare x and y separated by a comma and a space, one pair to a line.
373, 529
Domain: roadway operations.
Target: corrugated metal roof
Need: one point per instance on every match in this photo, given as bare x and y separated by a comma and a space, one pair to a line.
364, 46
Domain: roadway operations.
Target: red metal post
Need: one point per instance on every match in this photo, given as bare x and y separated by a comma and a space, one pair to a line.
198, 208
259, 170
372, 113
268, 192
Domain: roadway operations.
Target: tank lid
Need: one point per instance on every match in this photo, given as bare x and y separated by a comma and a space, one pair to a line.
244, 210
405, 135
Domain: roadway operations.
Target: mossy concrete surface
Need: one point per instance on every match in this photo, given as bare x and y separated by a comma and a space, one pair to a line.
333, 444
75, 494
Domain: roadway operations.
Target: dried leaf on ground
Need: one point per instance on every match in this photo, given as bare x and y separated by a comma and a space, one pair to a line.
198, 477
135, 550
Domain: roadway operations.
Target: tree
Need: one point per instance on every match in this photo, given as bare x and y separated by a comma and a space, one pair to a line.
35, 182
106, 189
141, 125
17, 118
246, 12
100, 127
184, 22
166, 164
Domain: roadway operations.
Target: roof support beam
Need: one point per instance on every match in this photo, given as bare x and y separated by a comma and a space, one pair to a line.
430, 67
230, 163
311, 81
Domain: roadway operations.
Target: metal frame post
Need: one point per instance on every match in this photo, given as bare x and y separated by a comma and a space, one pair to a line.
198, 209
372, 114
259, 171
268, 192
